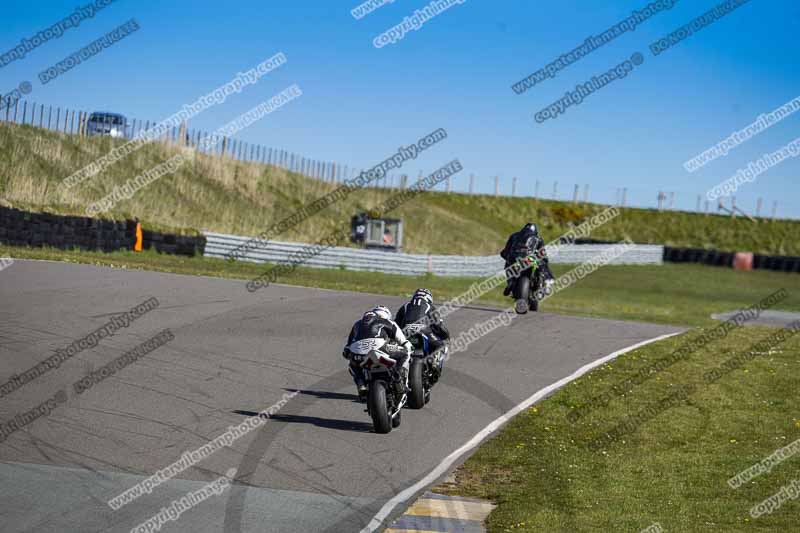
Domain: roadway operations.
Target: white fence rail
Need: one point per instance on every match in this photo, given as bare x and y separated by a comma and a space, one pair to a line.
219, 245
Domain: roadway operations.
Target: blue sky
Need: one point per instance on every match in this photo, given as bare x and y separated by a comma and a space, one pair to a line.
360, 103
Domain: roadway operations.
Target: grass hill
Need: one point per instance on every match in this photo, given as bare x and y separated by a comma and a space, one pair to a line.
220, 194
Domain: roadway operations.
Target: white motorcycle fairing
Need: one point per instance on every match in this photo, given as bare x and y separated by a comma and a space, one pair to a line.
364, 346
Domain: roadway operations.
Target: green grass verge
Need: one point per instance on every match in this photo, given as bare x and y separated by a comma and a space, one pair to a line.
209, 193
668, 294
672, 469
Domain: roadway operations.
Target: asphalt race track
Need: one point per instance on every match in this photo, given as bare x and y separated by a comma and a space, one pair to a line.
315, 466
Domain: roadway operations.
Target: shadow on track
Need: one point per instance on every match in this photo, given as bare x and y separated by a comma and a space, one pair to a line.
326, 395
352, 517
328, 423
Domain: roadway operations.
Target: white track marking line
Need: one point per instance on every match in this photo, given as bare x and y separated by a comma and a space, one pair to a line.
389, 506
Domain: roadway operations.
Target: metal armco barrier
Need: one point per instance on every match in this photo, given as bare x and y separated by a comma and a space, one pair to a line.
218, 245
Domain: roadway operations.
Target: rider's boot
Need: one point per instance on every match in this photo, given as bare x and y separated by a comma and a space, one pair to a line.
437, 363
404, 372
443, 357
509, 287
361, 386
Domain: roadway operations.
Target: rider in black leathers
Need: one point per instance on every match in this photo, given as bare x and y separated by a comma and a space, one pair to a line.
523, 243
378, 324
421, 309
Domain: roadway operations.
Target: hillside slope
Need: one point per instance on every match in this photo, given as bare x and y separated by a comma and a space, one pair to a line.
224, 195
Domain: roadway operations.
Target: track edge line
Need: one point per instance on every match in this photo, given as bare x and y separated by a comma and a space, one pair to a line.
482, 435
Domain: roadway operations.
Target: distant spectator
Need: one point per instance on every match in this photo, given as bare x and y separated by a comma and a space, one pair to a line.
387, 237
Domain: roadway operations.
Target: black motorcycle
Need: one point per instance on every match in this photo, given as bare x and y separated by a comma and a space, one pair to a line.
426, 367
526, 285
383, 374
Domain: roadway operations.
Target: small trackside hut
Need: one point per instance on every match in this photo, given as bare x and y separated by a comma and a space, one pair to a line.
375, 233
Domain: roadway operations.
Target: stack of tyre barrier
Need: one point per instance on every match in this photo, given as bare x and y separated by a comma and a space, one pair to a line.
717, 258
169, 243
23, 228
698, 255
777, 262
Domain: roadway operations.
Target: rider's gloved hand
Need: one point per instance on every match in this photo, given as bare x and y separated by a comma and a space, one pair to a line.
408, 347
346, 353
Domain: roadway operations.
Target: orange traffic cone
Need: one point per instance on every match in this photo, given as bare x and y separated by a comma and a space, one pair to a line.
138, 246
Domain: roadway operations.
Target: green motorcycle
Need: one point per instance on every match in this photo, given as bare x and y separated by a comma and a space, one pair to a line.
526, 285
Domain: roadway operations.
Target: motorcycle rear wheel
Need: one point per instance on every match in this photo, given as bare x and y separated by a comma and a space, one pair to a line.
416, 400
379, 408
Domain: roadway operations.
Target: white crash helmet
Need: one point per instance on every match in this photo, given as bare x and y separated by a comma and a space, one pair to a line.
425, 294
382, 312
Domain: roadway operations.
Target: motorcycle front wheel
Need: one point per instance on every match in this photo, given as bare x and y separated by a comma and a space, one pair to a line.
379, 408
522, 289
416, 400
